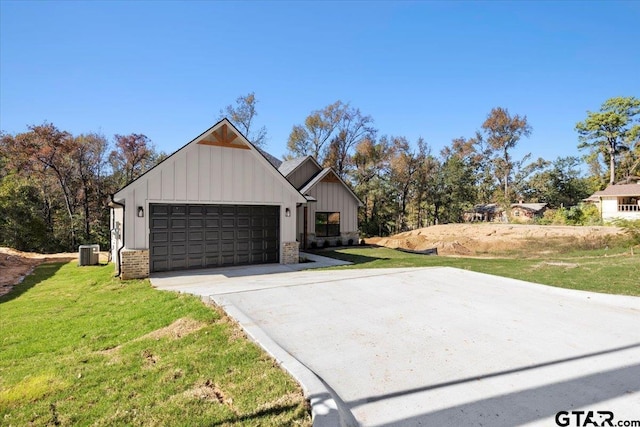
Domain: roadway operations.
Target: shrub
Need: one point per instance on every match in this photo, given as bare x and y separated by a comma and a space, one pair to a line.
314, 245
326, 244
631, 229
362, 243
350, 242
339, 242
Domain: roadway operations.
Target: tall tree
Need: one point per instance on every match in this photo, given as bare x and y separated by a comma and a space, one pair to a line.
503, 132
310, 139
89, 159
133, 155
559, 183
242, 114
371, 181
352, 128
403, 167
611, 131
46, 151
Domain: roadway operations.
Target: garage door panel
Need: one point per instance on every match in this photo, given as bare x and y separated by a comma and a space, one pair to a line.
160, 251
178, 264
210, 235
195, 262
159, 210
196, 210
228, 210
270, 257
160, 237
211, 248
212, 222
159, 265
270, 245
196, 223
227, 260
178, 210
195, 249
178, 223
178, 249
159, 223
270, 221
196, 236
178, 236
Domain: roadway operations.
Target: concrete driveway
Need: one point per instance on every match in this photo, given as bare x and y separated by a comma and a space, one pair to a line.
436, 346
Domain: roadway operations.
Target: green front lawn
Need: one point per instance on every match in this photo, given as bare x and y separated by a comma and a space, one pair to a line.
607, 271
79, 347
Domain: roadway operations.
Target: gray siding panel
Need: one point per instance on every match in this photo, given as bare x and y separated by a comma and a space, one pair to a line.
303, 174
333, 197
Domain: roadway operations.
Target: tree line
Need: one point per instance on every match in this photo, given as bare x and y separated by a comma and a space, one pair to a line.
405, 186
54, 185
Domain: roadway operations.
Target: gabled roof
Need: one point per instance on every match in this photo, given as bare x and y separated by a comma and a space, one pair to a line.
534, 207
328, 172
289, 166
225, 134
618, 190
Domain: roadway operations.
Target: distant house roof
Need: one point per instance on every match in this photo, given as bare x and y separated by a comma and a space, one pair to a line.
618, 190
487, 208
533, 207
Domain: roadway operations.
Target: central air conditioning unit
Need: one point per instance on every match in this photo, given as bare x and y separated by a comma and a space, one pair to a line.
89, 255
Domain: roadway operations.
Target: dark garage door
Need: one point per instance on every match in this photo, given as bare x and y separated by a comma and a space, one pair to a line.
198, 236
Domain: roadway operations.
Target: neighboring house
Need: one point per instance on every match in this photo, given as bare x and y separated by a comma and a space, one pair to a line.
217, 201
618, 201
485, 212
526, 212
331, 213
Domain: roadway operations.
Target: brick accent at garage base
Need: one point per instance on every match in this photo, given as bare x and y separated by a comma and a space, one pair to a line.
135, 264
290, 252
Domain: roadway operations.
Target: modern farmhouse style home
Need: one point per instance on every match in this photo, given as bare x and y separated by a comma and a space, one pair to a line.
220, 201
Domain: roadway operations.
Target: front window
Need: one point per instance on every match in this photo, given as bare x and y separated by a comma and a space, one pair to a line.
327, 224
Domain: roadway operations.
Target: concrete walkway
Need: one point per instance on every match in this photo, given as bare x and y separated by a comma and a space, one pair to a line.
437, 346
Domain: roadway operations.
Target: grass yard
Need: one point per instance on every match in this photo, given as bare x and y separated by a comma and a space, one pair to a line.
613, 271
79, 347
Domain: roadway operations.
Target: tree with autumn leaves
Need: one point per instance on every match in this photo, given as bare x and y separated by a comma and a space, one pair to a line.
54, 186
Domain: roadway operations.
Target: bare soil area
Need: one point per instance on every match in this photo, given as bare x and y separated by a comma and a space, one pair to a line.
15, 265
494, 239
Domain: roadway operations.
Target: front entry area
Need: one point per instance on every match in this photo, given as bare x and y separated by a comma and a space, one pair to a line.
188, 236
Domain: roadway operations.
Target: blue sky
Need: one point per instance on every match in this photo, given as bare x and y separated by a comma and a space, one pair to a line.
430, 69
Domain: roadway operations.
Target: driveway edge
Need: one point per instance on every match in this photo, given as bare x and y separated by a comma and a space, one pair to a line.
327, 409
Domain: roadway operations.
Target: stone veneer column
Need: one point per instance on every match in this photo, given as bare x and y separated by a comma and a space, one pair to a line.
134, 264
290, 252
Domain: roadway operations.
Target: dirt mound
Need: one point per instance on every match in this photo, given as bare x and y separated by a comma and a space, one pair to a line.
478, 239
